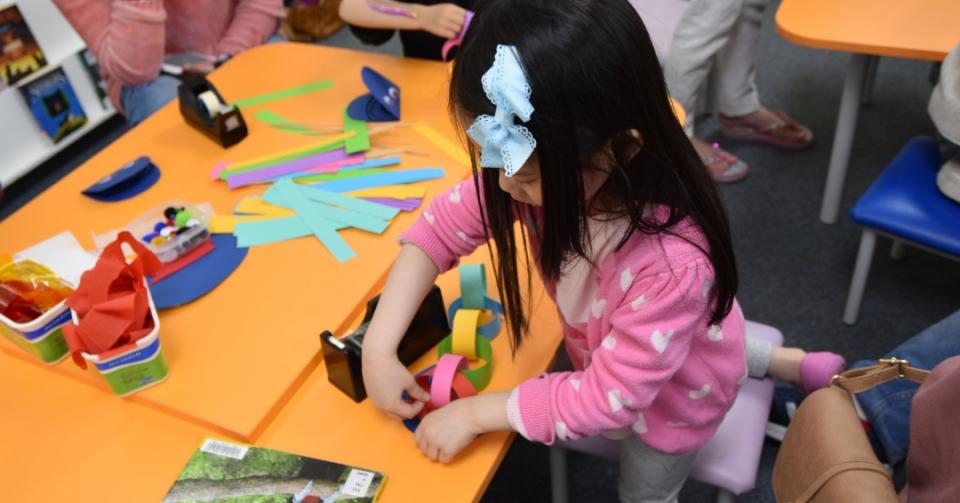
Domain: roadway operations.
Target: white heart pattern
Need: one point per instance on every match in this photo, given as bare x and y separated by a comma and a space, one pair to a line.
462, 236
697, 394
707, 285
575, 383
638, 303
640, 425
598, 306
428, 217
715, 334
616, 401
626, 279
609, 342
455, 195
561, 429
660, 340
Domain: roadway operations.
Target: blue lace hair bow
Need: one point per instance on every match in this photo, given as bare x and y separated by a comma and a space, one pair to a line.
503, 143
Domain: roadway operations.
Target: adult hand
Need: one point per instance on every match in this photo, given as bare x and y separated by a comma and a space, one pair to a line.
444, 20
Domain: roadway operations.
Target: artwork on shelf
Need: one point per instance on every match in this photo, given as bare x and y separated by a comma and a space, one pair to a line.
20, 55
54, 104
92, 66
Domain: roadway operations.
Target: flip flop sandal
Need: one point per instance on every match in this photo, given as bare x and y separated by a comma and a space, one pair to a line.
724, 167
783, 134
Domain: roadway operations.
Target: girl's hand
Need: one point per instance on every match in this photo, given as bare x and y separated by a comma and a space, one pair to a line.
385, 379
447, 430
444, 20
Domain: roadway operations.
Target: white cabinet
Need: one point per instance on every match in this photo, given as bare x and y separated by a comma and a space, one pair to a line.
23, 145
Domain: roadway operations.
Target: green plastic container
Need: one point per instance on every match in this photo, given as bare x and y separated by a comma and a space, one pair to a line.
139, 367
41, 337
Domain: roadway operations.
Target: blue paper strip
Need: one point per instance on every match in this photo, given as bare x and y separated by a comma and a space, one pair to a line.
380, 179
286, 193
350, 203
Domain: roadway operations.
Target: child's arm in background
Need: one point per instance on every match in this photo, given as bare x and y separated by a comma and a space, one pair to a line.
254, 21
443, 20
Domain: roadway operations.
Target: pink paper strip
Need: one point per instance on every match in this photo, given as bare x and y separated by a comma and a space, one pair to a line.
217, 169
285, 168
443, 376
455, 41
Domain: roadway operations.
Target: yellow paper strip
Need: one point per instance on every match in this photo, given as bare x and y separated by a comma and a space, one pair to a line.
224, 224
257, 206
391, 191
447, 146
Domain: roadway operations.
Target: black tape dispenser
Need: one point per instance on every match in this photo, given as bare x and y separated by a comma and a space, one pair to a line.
204, 109
343, 355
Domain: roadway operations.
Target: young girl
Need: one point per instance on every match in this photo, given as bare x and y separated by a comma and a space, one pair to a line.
575, 137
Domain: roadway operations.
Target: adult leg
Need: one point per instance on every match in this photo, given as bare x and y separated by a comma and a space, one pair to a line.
142, 100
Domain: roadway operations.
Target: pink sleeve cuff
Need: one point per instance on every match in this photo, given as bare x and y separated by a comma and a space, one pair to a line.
533, 410
142, 10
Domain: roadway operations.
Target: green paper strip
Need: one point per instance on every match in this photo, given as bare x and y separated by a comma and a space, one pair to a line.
283, 94
480, 376
274, 120
289, 196
340, 175
360, 142
473, 285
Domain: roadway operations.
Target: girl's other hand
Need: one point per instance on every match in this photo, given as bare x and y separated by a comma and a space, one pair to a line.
444, 20
385, 379
446, 431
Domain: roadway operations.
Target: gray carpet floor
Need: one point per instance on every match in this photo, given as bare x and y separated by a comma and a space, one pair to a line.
794, 270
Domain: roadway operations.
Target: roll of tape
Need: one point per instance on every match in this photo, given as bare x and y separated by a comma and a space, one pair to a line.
210, 104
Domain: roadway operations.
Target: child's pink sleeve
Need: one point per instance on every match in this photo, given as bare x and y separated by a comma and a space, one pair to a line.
451, 226
254, 21
650, 339
127, 38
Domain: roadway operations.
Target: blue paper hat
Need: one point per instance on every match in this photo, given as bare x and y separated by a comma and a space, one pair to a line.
382, 104
133, 178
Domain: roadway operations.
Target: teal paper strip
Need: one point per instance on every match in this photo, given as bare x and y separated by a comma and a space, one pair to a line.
381, 179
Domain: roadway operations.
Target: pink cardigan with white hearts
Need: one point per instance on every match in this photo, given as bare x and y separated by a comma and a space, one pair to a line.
647, 360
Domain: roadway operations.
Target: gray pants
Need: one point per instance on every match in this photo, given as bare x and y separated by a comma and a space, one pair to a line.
651, 476
721, 32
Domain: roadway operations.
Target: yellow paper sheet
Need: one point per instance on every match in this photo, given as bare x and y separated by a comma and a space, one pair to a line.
447, 146
224, 224
391, 191
257, 206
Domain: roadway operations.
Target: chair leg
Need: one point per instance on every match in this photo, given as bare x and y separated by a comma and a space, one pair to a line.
898, 250
558, 473
725, 496
861, 270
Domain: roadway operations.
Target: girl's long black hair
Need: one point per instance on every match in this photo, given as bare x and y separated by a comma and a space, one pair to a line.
596, 83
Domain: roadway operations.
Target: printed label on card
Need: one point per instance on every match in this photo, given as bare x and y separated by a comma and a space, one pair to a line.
357, 484
224, 449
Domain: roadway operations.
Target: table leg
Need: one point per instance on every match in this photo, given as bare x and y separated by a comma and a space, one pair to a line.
843, 137
867, 94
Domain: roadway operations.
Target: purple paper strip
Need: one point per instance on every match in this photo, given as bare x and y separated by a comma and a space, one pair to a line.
258, 175
402, 204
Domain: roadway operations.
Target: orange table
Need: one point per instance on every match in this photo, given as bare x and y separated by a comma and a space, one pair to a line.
237, 354
236, 370
917, 29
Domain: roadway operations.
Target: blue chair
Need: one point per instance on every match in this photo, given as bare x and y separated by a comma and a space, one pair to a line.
905, 205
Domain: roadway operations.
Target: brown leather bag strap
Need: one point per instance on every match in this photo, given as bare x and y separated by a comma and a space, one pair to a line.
886, 369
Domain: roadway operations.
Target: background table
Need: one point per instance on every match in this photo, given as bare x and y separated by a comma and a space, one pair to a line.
917, 29
249, 350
